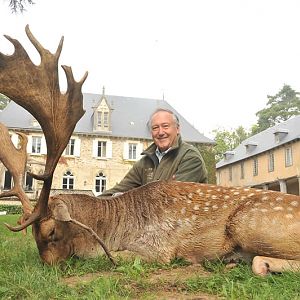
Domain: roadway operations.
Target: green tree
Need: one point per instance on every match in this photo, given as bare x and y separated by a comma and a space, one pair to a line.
208, 155
3, 101
281, 107
228, 140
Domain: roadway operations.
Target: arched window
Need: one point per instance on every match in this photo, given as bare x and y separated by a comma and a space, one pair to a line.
68, 181
100, 183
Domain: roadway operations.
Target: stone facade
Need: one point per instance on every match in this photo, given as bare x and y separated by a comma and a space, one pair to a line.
84, 168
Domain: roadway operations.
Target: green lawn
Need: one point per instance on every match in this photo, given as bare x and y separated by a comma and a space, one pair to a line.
23, 276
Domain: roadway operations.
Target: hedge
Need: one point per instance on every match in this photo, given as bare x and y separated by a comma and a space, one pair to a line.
11, 209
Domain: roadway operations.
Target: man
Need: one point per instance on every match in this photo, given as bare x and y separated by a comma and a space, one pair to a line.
168, 158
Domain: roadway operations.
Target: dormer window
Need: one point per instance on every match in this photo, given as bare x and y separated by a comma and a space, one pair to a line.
102, 118
280, 134
102, 115
228, 155
250, 146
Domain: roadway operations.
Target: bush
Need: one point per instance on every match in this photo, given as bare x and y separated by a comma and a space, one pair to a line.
11, 209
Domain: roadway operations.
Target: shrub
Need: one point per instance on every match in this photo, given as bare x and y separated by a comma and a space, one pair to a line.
11, 209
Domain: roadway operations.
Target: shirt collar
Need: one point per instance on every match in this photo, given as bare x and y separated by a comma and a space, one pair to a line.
160, 154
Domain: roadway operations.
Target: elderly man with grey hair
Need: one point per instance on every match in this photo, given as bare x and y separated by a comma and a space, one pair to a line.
167, 158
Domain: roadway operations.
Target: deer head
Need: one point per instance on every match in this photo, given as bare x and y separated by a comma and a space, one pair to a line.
36, 88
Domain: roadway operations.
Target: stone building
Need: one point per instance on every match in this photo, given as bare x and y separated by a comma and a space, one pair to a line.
267, 160
106, 142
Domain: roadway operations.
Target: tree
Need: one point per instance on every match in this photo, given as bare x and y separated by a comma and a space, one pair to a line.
19, 5
208, 155
228, 140
3, 101
284, 105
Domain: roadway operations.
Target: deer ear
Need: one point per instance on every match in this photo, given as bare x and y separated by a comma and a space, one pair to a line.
60, 212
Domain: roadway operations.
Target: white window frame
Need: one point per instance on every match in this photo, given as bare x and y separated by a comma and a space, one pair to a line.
271, 162
100, 183
99, 118
70, 148
76, 147
132, 151
255, 166
36, 144
43, 146
288, 156
101, 149
105, 119
68, 181
108, 153
127, 150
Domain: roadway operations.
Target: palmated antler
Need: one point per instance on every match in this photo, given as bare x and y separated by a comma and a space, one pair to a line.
36, 88
16, 166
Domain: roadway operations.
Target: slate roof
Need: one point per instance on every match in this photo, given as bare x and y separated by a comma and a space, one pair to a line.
264, 141
129, 117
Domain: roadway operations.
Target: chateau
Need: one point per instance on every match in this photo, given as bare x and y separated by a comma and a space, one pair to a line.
106, 142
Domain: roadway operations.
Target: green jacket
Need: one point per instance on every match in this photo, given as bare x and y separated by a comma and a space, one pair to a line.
183, 162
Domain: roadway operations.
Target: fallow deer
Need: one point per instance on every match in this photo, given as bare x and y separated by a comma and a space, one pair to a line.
158, 221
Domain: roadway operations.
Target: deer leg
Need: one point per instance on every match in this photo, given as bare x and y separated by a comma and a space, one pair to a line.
262, 265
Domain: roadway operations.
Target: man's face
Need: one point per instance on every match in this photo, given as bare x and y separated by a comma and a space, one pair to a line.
164, 130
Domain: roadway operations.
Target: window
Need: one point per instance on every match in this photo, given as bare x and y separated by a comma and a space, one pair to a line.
68, 181
288, 157
101, 149
99, 118
28, 182
230, 173
280, 134
105, 119
100, 183
7, 180
132, 151
102, 118
36, 144
242, 170
73, 147
271, 162
70, 147
255, 166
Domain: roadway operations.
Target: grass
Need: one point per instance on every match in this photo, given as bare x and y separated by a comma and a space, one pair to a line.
23, 276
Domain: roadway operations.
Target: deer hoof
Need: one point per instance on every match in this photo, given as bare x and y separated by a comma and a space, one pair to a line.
260, 266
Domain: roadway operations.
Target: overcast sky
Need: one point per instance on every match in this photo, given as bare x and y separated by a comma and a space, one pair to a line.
214, 61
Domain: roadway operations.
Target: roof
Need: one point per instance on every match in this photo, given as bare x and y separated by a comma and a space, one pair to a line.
128, 119
286, 132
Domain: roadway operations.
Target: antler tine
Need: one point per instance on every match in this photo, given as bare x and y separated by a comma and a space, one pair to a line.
38, 46
15, 161
39, 93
